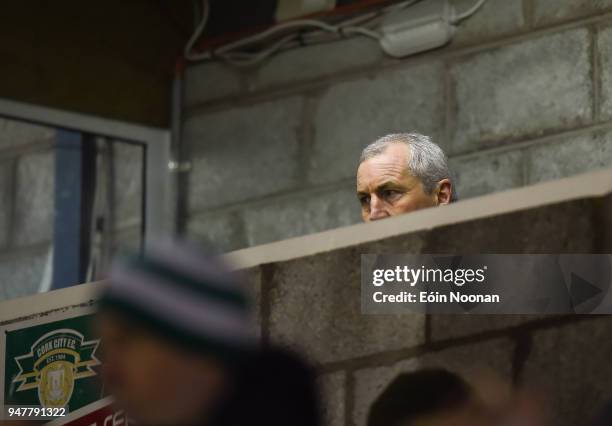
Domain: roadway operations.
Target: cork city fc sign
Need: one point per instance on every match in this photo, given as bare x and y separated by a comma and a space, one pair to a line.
52, 365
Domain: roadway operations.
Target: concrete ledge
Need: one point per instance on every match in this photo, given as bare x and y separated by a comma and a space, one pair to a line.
588, 185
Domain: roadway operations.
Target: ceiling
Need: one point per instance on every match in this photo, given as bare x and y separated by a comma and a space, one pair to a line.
110, 58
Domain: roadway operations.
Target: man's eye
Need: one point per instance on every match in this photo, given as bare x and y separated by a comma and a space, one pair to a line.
390, 194
364, 200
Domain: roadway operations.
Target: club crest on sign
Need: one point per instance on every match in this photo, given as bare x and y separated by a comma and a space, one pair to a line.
55, 362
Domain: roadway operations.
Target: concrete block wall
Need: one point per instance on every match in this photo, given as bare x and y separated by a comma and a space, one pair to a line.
523, 94
312, 304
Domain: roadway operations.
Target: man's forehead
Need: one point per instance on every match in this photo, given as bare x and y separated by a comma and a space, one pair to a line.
389, 165
397, 150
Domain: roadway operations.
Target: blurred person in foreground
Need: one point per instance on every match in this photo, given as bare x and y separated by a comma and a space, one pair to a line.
179, 347
401, 173
437, 397
425, 398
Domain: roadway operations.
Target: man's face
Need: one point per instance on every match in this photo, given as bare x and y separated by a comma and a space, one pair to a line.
385, 188
155, 382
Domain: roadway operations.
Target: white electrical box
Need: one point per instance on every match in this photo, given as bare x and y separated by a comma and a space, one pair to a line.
424, 26
290, 9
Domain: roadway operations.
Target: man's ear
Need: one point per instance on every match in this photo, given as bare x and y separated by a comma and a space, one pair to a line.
444, 192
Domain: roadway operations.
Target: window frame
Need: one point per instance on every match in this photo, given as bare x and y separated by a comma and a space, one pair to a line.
160, 183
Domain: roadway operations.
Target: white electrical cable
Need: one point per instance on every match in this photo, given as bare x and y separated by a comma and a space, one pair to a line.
188, 53
225, 52
232, 54
472, 10
251, 59
301, 24
272, 31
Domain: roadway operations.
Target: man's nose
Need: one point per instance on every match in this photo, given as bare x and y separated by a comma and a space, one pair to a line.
377, 209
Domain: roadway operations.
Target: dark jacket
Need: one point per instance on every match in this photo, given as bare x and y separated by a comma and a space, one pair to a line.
275, 388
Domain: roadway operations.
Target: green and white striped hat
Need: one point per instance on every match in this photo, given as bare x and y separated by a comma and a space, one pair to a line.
182, 294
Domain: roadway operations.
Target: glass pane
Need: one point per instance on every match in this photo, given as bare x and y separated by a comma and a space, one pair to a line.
119, 204
111, 205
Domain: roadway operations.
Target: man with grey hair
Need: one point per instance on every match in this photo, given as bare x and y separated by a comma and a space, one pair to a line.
400, 173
